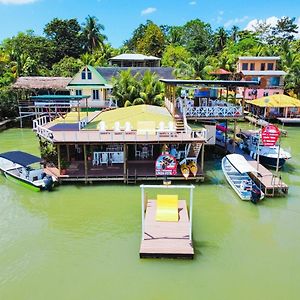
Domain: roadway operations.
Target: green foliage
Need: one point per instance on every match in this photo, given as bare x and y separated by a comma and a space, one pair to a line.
8, 104
66, 37
48, 151
67, 67
134, 90
173, 54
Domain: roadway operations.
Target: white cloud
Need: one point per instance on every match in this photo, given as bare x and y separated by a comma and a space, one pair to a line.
253, 23
149, 10
192, 3
235, 21
17, 1
270, 21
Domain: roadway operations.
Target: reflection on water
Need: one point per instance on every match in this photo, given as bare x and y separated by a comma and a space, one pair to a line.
82, 242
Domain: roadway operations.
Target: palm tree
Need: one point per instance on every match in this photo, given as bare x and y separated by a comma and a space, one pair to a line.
93, 35
221, 37
234, 33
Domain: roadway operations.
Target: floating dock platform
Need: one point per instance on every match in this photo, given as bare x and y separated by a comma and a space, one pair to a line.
163, 239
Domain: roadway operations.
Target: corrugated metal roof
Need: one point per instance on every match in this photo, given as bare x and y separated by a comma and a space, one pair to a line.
195, 82
263, 73
259, 58
161, 72
134, 56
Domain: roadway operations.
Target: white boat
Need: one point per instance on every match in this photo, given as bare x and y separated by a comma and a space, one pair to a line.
268, 156
18, 167
236, 170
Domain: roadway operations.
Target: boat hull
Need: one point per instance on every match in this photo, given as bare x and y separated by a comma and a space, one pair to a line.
271, 162
22, 182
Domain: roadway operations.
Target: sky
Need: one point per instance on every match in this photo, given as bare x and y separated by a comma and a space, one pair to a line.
121, 17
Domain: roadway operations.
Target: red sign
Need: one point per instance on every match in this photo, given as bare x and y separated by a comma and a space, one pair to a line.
166, 165
270, 135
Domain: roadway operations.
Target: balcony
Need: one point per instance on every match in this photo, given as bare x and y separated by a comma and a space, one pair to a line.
214, 112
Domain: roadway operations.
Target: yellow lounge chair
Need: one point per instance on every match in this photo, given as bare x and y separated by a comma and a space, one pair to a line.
167, 208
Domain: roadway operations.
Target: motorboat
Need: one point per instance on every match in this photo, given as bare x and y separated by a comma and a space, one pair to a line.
269, 156
20, 167
236, 170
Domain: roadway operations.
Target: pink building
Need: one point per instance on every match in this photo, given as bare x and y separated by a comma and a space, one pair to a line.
264, 69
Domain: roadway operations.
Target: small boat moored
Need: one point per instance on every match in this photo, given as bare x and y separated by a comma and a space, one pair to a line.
236, 170
18, 166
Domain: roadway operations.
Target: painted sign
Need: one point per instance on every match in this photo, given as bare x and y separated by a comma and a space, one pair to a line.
166, 165
270, 135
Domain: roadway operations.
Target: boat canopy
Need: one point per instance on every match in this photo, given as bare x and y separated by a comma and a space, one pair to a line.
240, 163
21, 158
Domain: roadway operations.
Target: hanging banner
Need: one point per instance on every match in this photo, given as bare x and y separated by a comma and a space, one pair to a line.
270, 135
166, 165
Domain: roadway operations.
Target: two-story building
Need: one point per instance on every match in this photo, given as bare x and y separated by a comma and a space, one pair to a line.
263, 69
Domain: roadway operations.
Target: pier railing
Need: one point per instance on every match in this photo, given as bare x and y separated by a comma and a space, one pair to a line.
214, 112
40, 122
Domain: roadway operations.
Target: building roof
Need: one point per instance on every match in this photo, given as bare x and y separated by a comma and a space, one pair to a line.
109, 72
263, 73
136, 115
220, 72
278, 100
259, 58
225, 83
134, 56
42, 83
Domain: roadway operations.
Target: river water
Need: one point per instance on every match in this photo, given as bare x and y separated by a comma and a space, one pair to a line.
82, 242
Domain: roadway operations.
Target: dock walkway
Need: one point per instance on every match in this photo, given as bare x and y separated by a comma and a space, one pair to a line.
270, 184
166, 239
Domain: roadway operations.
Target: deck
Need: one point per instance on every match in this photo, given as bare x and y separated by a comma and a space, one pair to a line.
137, 170
271, 184
166, 239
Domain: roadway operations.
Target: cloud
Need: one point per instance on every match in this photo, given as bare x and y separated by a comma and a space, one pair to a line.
253, 23
17, 1
149, 10
235, 21
192, 3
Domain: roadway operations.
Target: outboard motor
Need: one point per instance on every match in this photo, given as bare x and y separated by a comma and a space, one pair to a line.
255, 194
48, 182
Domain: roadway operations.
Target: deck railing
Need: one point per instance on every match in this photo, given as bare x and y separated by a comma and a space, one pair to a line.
121, 136
169, 105
214, 111
40, 122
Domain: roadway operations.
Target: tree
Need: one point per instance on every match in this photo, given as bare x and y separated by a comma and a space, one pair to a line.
152, 42
197, 37
66, 37
220, 39
234, 33
284, 30
173, 54
67, 67
93, 38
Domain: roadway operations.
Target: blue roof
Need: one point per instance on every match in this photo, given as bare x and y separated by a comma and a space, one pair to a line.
21, 158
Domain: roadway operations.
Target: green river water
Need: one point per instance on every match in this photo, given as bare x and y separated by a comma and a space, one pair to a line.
82, 242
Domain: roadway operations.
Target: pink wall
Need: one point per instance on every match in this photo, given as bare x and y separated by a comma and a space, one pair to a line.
260, 93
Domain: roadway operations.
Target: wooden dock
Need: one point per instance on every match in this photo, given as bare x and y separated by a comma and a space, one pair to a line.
270, 184
166, 239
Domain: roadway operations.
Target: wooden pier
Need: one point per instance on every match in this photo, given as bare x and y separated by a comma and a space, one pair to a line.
270, 184
161, 239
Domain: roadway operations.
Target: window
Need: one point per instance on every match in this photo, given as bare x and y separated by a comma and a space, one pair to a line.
262, 66
89, 74
78, 92
245, 66
83, 76
270, 66
252, 66
95, 94
266, 94
274, 81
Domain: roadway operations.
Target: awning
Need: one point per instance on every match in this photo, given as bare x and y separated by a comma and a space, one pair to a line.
21, 158
277, 100
240, 163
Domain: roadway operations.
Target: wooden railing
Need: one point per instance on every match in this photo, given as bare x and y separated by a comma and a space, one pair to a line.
214, 111
40, 122
169, 105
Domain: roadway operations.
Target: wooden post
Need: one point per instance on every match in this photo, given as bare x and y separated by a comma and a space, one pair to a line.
226, 135
234, 135
125, 161
58, 159
85, 162
202, 158
68, 153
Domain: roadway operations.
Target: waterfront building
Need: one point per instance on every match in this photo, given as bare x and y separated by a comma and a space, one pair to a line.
263, 69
